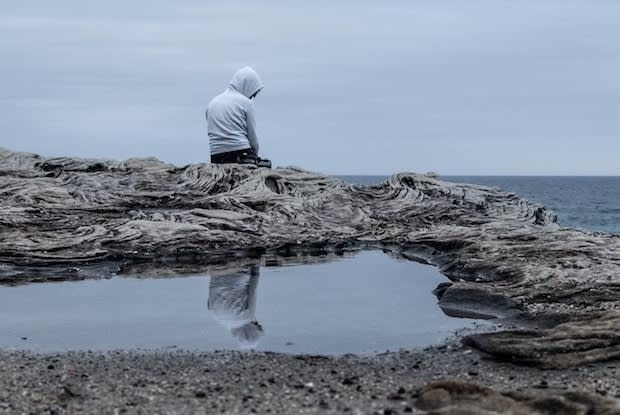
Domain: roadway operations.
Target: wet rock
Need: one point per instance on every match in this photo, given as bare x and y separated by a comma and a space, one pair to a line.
451, 397
585, 339
469, 301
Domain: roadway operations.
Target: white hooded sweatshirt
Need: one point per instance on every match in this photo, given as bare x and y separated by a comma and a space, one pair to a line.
230, 115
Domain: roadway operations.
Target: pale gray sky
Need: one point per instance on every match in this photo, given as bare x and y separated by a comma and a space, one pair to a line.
352, 87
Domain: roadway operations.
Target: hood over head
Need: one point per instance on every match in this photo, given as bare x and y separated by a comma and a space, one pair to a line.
246, 81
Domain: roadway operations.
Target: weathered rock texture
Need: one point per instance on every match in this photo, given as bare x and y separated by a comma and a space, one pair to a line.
453, 397
66, 218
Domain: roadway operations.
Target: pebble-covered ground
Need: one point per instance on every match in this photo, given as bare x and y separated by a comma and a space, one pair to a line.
240, 383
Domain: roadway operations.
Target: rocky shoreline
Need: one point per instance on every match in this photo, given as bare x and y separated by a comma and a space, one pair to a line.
71, 219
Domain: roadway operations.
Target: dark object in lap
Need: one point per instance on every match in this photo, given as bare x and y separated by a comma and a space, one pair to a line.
231, 156
263, 163
247, 156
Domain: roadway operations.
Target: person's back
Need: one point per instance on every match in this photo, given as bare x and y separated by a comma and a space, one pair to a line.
230, 119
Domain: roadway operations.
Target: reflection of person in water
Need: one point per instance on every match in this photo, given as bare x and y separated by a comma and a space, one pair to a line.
232, 301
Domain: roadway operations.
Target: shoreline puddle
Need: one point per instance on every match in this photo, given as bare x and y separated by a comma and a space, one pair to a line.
364, 303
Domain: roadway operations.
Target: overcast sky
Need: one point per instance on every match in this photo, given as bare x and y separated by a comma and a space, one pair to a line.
351, 87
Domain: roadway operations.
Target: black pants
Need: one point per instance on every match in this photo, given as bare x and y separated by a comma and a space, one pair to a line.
231, 156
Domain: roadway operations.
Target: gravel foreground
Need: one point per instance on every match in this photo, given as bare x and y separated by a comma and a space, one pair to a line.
447, 379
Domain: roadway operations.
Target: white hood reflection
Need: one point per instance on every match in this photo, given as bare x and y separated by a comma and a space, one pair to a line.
232, 302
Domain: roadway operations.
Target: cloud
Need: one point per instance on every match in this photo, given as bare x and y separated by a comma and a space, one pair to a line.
351, 87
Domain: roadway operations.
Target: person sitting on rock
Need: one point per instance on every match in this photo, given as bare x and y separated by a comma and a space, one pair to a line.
230, 121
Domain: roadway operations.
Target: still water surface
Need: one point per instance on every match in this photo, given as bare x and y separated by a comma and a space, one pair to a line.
366, 303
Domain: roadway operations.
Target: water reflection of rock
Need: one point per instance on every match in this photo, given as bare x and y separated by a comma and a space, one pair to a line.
232, 302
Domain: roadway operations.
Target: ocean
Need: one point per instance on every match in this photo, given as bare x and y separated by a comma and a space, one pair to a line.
584, 202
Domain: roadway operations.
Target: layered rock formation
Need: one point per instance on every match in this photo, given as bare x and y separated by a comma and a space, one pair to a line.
466, 399
67, 218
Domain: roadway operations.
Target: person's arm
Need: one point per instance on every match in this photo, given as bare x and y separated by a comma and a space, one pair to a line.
251, 123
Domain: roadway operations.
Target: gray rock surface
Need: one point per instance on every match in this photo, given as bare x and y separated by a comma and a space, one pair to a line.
67, 218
